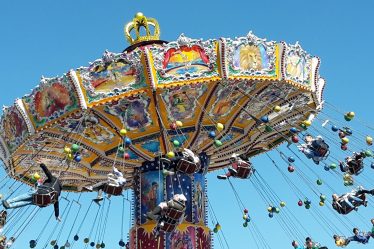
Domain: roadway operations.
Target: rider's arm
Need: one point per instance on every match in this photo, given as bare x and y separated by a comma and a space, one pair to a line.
46, 171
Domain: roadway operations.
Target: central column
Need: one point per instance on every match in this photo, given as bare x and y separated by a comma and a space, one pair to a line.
150, 188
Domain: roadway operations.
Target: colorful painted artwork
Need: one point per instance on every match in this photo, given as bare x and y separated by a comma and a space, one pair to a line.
151, 193
263, 100
298, 65
228, 97
141, 238
13, 129
199, 199
180, 184
181, 239
152, 146
185, 60
181, 101
132, 111
52, 99
113, 74
89, 127
203, 238
250, 57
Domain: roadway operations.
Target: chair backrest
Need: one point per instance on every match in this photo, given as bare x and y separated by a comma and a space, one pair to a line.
113, 190
43, 200
187, 167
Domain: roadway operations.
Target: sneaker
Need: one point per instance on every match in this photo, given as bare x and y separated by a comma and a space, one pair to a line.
365, 203
6, 204
168, 172
355, 208
89, 188
232, 171
98, 200
222, 177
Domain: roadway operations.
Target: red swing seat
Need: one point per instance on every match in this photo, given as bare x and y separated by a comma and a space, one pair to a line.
174, 213
113, 190
187, 167
243, 170
43, 200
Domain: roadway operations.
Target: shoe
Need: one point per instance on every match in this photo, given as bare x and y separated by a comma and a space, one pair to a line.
222, 177
162, 224
365, 203
168, 172
372, 192
232, 171
355, 208
89, 188
98, 200
6, 204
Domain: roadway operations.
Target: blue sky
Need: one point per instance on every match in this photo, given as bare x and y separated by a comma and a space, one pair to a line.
50, 37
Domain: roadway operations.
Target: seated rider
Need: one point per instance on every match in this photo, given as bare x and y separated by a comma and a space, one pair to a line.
341, 241
172, 164
344, 204
315, 148
50, 187
4, 244
237, 162
309, 244
177, 202
353, 164
115, 179
3, 217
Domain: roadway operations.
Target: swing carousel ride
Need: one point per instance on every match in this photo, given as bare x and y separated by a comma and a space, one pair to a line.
138, 110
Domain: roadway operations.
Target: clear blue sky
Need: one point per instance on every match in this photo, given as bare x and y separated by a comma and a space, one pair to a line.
50, 37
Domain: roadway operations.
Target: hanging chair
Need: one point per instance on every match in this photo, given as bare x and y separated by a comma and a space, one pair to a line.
344, 208
187, 167
244, 170
45, 199
113, 189
321, 148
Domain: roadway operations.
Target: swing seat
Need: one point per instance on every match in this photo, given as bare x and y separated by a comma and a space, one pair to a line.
244, 170
174, 213
187, 167
345, 209
321, 148
43, 200
355, 167
113, 190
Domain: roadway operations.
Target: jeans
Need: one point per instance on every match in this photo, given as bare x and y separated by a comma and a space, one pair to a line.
21, 200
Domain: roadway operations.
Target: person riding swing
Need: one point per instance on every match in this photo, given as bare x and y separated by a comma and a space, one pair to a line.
348, 202
112, 186
354, 164
315, 148
45, 194
239, 168
186, 162
168, 214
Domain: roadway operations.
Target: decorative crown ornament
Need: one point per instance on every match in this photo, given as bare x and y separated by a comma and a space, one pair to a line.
142, 21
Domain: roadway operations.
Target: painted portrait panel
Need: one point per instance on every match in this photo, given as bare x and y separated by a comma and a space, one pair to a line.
13, 128
184, 60
132, 111
181, 102
111, 75
52, 99
151, 193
